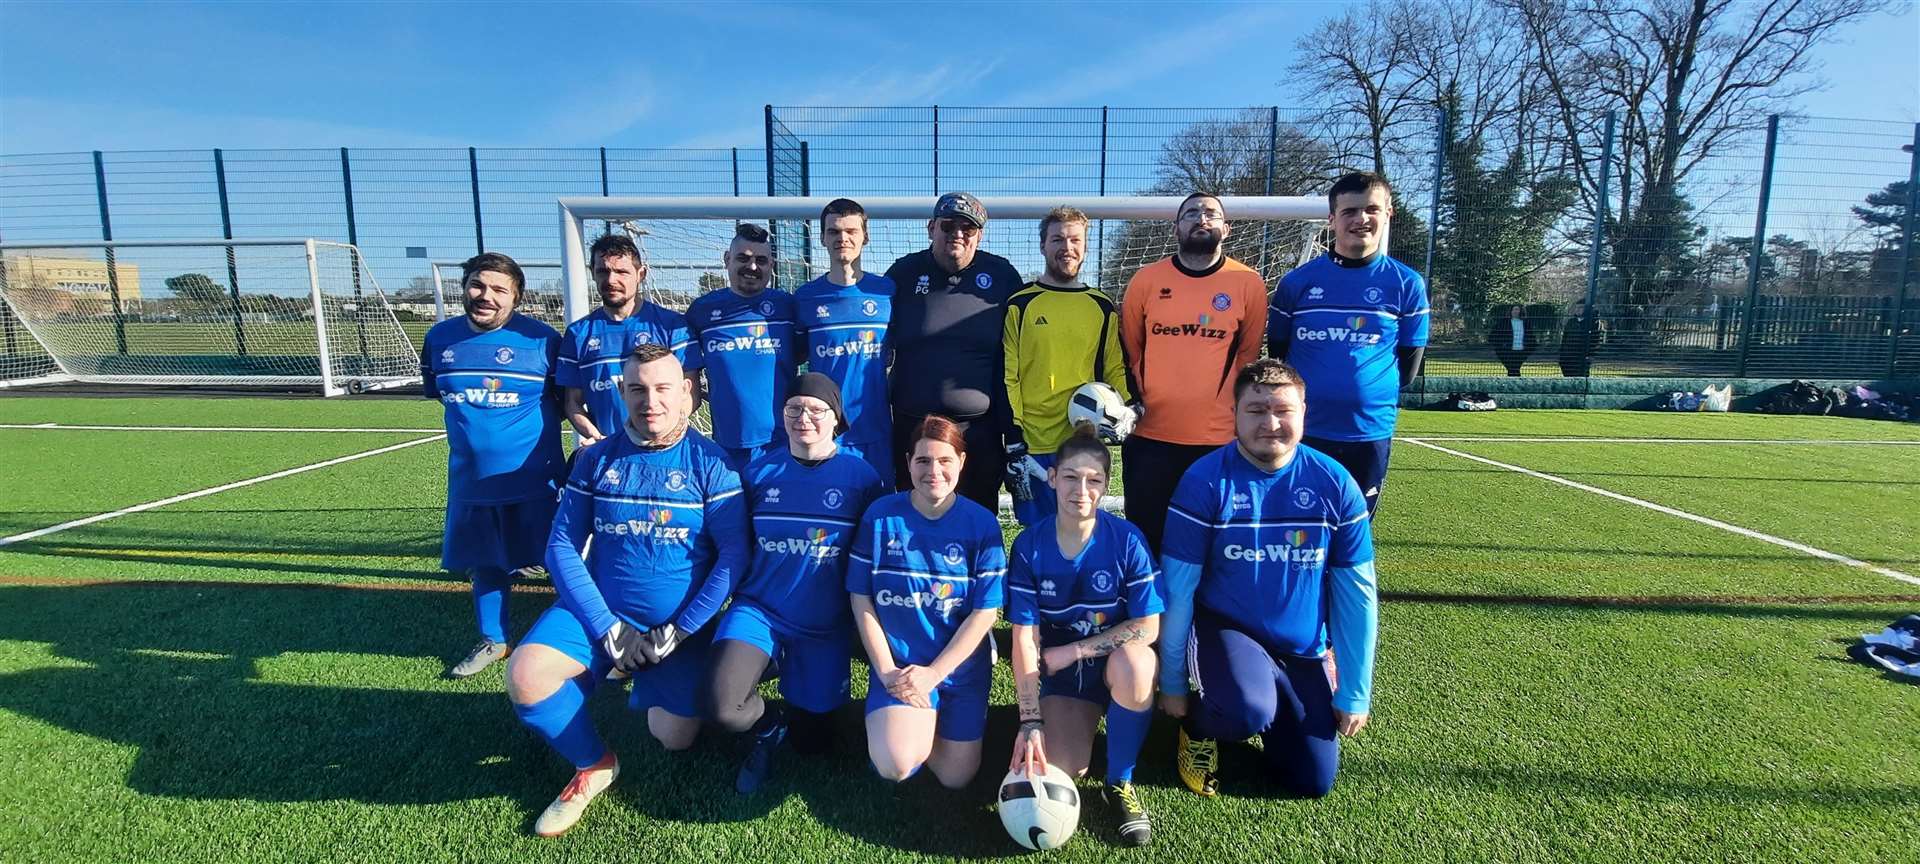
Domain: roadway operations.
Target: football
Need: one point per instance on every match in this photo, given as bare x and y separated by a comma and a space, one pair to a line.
1097, 403
1042, 812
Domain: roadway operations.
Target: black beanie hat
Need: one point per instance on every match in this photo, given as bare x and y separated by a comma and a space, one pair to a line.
822, 388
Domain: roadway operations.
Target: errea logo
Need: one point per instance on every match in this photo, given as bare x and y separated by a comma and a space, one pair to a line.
1316, 293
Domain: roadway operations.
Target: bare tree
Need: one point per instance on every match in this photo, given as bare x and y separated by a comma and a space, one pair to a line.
1688, 78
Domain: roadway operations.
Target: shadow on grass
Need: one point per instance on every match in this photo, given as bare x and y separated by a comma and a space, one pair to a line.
272, 540
175, 672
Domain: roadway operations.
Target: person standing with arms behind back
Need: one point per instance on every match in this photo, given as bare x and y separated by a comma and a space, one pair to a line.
1513, 340
1354, 322
493, 371
1577, 340
840, 323
1188, 323
948, 303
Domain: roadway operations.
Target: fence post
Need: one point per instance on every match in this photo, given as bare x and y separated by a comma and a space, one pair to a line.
606, 227
233, 266
736, 172
1906, 253
1759, 248
113, 268
1103, 188
769, 123
1273, 161
473, 177
936, 150
806, 226
353, 253
1600, 215
1433, 207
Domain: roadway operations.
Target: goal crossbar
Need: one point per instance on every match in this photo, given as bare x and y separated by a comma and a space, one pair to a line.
574, 211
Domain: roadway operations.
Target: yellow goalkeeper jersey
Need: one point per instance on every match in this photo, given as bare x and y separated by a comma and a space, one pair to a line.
1055, 340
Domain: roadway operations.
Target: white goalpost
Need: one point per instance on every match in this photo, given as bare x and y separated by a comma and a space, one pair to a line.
267, 312
1271, 233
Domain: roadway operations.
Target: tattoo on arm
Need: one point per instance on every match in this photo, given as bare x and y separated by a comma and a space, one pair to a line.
1027, 696
1112, 640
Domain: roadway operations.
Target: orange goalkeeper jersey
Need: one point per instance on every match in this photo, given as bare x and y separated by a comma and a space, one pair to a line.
1186, 333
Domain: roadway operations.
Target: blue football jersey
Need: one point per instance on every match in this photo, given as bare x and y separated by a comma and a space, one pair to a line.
1265, 542
1110, 581
669, 530
843, 331
746, 344
596, 346
1341, 326
804, 518
501, 414
926, 576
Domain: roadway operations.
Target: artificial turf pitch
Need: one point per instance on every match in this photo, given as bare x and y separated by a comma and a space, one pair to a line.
253, 675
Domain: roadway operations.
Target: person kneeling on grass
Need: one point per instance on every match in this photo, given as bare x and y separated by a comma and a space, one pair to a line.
1268, 554
792, 604
927, 577
670, 535
1085, 612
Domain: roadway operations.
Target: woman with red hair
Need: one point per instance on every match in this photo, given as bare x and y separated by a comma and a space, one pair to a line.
926, 577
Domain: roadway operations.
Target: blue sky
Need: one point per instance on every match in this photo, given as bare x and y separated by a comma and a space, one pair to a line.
81, 76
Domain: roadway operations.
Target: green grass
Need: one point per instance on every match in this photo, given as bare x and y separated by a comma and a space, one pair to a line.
1562, 676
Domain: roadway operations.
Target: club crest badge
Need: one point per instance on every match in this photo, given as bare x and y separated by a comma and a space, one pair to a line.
503, 356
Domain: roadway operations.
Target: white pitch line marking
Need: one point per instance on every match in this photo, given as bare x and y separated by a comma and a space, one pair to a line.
95, 428
138, 508
1691, 517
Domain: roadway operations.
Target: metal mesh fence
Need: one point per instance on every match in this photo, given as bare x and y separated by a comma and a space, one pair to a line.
1678, 285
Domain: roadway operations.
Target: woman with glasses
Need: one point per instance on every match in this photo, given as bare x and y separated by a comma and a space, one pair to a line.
792, 606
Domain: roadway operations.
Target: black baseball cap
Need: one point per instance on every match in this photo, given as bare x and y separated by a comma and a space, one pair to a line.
962, 205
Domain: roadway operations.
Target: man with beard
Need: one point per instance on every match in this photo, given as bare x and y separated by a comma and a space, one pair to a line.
1188, 323
493, 371
744, 334
1354, 322
948, 308
1059, 334
596, 346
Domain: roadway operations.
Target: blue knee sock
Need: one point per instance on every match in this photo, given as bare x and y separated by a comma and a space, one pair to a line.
563, 720
490, 602
1126, 732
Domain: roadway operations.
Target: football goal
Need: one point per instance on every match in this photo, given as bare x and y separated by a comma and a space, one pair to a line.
286, 313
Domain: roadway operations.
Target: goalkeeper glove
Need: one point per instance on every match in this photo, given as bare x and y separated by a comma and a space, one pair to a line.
1123, 422
1025, 477
659, 642
624, 644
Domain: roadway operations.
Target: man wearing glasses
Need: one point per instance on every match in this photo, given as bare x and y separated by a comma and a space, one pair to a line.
1188, 323
948, 309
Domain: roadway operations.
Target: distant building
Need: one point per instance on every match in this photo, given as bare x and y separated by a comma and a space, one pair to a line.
67, 286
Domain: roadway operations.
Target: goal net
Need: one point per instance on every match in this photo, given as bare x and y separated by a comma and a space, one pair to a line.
1270, 234
545, 295
299, 313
